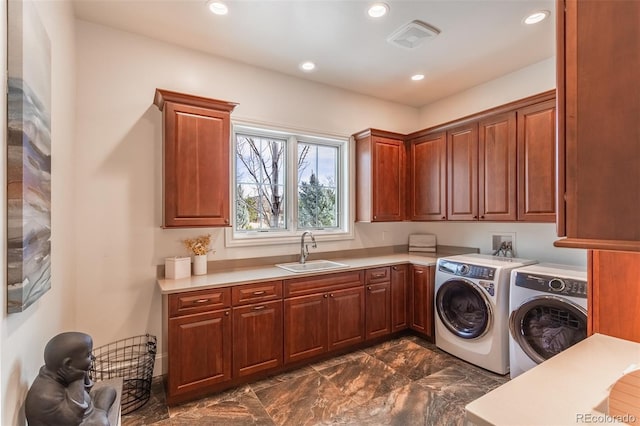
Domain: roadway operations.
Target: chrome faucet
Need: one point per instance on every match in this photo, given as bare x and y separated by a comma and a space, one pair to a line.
304, 248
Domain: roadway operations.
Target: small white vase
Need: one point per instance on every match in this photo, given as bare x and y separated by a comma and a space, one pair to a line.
200, 264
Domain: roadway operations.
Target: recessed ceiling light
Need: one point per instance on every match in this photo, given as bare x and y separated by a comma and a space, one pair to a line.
217, 7
536, 17
307, 66
378, 10
417, 77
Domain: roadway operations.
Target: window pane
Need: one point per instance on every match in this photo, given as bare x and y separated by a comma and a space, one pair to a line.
317, 186
260, 183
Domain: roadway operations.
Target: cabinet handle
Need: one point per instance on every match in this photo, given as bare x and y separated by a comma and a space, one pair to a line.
395, 268
331, 295
326, 295
227, 313
369, 288
482, 217
378, 275
475, 217
258, 293
444, 217
375, 217
201, 301
226, 221
258, 308
419, 271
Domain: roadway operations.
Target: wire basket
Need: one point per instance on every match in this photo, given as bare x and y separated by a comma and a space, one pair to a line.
133, 360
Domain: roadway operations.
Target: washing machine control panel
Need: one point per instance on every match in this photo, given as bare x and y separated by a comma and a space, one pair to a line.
563, 286
466, 270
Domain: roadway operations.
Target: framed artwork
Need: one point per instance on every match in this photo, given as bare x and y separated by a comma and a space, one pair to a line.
28, 157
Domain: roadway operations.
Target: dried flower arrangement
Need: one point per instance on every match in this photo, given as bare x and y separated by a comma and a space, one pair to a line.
198, 245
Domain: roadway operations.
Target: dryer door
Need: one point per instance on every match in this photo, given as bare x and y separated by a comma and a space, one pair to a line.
544, 326
464, 308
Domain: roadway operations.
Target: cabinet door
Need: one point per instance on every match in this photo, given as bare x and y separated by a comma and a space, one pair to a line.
345, 318
428, 178
422, 308
399, 297
257, 338
462, 171
614, 294
389, 173
497, 168
537, 162
199, 351
378, 315
598, 88
196, 166
305, 327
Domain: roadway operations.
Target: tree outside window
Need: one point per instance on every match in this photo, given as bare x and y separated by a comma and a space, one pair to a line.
261, 184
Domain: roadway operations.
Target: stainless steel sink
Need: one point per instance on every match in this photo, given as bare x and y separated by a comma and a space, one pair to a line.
311, 266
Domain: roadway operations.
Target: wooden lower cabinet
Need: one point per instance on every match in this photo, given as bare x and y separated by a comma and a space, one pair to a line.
345, 317
305, 327
378, 310
399, 297
199, 351
321, 322
614, 293
257, 338
223, 337
422, 309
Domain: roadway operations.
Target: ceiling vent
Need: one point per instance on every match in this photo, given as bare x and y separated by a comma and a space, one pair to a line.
412, 35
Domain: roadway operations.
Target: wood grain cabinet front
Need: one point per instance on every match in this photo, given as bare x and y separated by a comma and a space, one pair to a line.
380, 176
422, 302
598, 131
322, 314
199, 353
400, 307
377, 302
196, 159
428, 177
257, 338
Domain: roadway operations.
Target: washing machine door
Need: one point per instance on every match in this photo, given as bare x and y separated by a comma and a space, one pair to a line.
544, 326
463, 308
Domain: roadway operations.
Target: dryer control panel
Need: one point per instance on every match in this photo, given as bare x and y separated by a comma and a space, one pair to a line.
544, 283
466, 270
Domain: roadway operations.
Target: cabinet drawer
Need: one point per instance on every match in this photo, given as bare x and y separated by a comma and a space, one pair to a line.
377, 275
258, 292
320, 283
199, 301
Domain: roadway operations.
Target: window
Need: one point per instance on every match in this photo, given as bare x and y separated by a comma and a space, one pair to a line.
287, 183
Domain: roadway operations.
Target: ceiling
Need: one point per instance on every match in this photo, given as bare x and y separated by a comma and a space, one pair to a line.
479, 40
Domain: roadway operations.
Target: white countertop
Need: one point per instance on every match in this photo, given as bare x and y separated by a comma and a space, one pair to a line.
270, 272
570, 388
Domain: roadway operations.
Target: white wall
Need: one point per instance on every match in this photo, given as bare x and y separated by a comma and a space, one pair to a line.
531, 80
24, 335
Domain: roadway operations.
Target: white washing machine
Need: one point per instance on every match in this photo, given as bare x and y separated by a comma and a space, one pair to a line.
472, 308
548, 313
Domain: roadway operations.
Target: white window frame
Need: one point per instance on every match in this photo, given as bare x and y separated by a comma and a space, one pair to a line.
291, 234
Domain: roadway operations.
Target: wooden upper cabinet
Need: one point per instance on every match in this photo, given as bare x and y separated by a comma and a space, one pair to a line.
428, 177
537, 162
497, 167
380, 176
598, 110
196, 160
462, 170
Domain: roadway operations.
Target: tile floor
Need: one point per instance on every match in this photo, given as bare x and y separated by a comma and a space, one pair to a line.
406, 381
